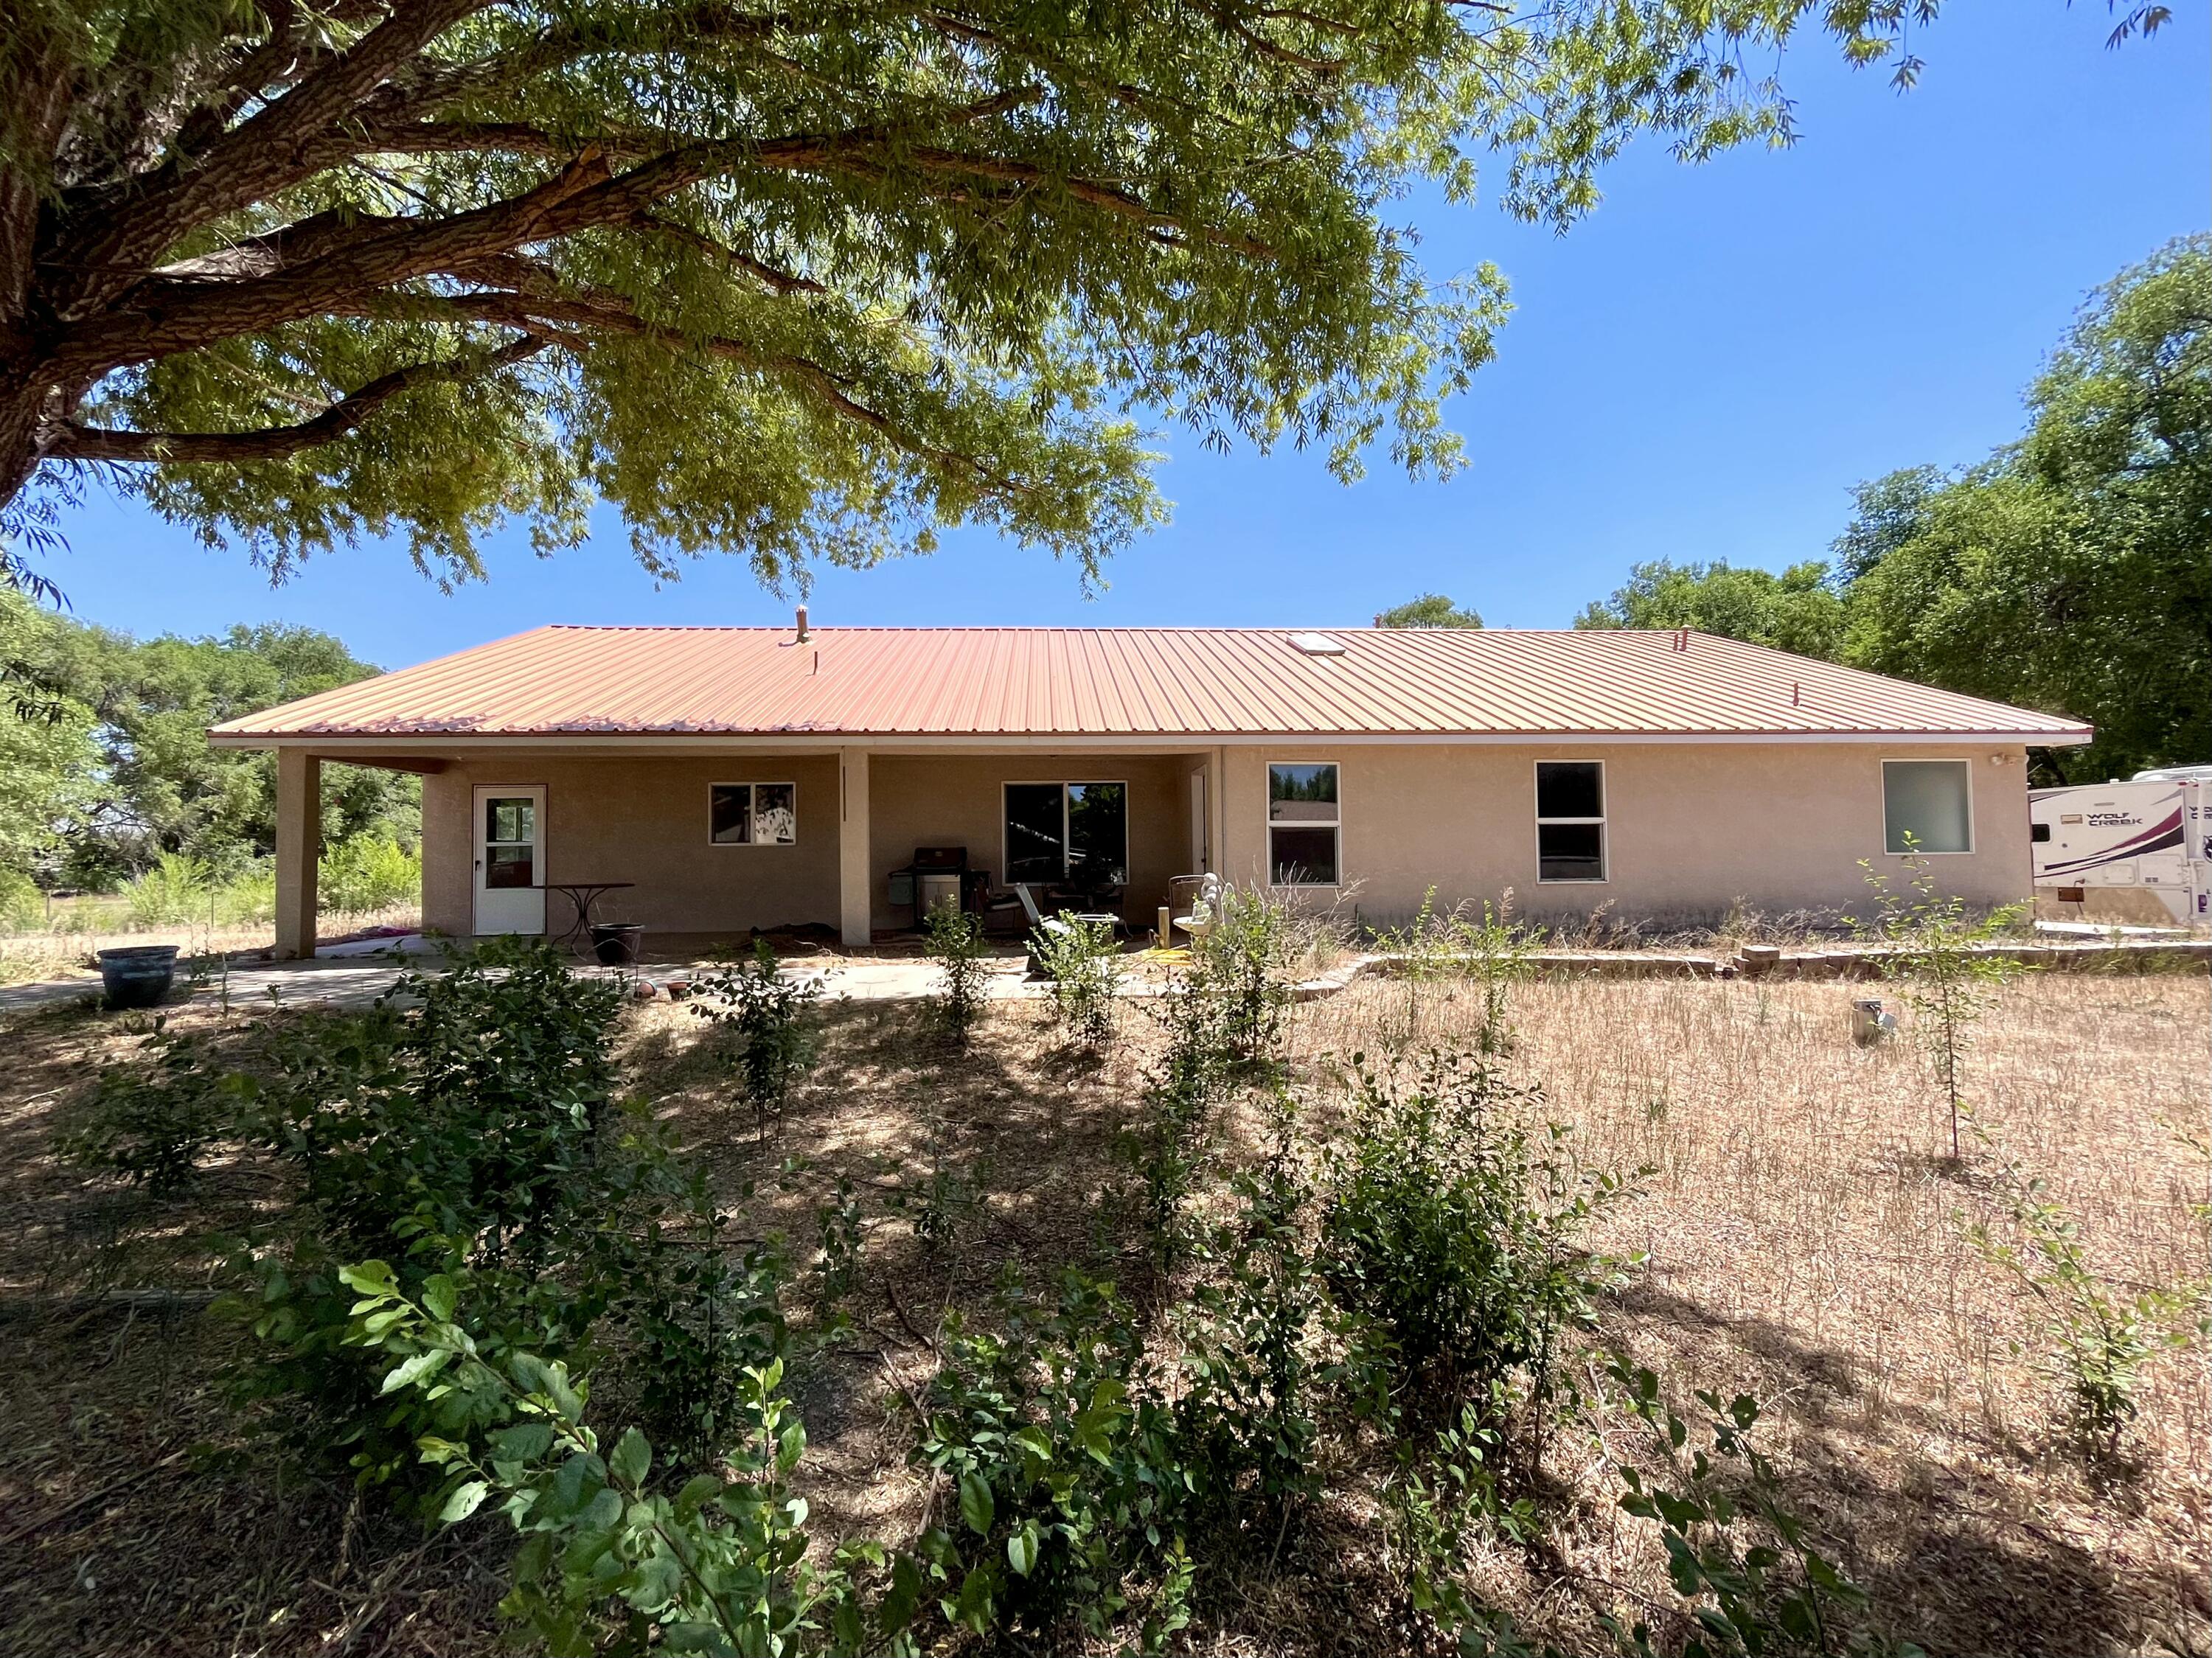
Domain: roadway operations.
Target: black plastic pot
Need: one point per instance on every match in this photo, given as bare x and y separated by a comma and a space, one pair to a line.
615, 943
138, 976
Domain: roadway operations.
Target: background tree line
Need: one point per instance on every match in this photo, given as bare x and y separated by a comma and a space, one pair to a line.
2070, 570
106, 774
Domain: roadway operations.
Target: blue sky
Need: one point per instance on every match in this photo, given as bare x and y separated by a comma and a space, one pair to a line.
1699, 370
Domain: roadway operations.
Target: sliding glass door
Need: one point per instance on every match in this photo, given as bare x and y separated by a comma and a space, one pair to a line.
1077, 833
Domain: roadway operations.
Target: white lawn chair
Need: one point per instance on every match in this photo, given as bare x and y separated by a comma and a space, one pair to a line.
1051, 925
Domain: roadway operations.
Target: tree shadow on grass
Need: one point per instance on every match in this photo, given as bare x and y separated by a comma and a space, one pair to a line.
1917, 1505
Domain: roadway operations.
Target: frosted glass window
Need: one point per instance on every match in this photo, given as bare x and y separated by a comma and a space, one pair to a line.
1930, 801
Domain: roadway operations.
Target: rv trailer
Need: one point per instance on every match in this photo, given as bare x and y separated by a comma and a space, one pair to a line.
2154, 834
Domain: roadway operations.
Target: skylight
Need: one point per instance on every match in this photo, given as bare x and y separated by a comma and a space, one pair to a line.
1316, 644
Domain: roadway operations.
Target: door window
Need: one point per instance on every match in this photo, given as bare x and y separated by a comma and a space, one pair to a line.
510, 842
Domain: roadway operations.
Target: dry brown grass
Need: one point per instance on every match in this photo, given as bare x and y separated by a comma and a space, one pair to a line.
1804, 1244
67, 952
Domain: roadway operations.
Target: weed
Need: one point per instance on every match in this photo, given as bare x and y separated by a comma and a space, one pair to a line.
2100, 1338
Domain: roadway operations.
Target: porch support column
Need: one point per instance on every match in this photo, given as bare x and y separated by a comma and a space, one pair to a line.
1217, 814
299, 835
855, 893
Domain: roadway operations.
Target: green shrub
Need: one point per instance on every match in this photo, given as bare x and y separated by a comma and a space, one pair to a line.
249, 897
174, 892
956, 943
1091, 1468
1742, 1561
152, 1124
473, 1140
1060, 1452
1263, 1349
764, 1011
1082, 961
1455, 1227
368, 873
613, 1560
1246, 962
1166, 1145
22, 906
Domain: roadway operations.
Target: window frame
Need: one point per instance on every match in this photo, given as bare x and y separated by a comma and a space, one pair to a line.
751, 787
1005, 849
1267, 826
1603, 820
1966, 763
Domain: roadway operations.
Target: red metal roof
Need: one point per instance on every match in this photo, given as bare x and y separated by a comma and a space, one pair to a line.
1139, 683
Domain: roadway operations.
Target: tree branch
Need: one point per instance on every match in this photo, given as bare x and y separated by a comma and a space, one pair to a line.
254, 160
80, 442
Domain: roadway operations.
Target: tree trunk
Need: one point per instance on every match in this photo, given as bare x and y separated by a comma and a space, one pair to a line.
22, 399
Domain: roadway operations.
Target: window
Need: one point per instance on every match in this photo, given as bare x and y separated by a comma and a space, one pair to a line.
1304, 826
1570, 820
510, 842
1929, 800
752, 814
1072, 832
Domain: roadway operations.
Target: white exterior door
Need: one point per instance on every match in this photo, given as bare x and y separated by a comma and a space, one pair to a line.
510, 832
1201, 860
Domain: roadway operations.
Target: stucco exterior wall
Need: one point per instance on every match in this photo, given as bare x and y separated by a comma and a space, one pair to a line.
643, 820
955, 800
1690, 828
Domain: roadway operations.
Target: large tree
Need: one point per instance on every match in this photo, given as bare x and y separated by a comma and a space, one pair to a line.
109, 763
807, 278
1428, 610
1800, 609
2070, 570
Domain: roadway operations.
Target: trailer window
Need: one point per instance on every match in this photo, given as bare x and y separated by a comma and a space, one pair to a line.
1926, 806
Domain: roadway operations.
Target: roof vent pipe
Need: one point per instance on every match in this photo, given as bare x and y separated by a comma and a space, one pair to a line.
802, 624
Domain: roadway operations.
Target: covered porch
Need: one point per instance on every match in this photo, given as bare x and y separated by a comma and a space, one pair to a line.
697, 841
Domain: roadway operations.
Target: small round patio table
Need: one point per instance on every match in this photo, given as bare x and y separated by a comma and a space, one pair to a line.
583, 895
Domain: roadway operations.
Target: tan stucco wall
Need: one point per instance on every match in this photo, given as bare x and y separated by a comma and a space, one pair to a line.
954, 799
643, 820
1691, 827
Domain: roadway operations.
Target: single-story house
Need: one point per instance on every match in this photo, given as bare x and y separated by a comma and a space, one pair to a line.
761, 777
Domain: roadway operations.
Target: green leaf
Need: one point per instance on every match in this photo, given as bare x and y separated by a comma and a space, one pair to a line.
976, 1506
370, 1278
632, 1458
463, 1501
526, 1442
414, 1370
1022, 1549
